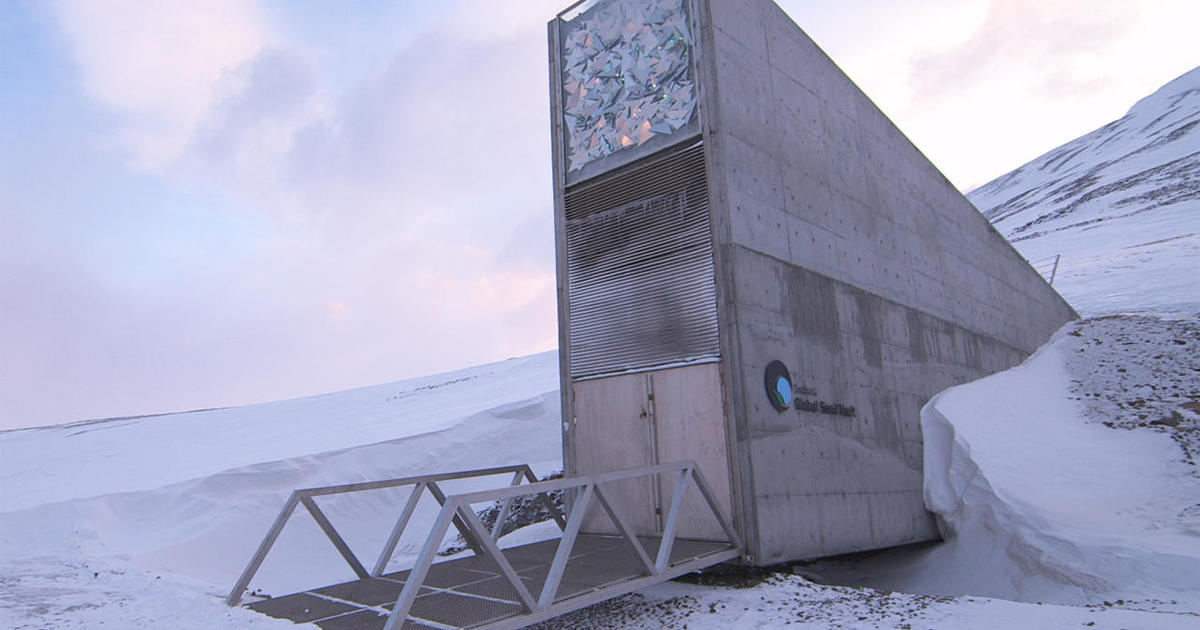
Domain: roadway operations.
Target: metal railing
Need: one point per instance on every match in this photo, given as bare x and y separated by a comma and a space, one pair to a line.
1047, 267
476, 537
543, 605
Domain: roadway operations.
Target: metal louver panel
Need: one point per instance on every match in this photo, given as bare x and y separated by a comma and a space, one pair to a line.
640, 269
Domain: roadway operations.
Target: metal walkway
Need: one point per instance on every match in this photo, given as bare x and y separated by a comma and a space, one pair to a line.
498, 588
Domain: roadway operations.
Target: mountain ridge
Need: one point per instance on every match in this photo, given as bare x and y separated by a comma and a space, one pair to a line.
1114, 207
1143, 156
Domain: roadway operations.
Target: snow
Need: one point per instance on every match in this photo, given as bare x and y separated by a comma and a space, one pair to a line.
1120, 205
94, 458
124, 521
1067, 487
1077, 513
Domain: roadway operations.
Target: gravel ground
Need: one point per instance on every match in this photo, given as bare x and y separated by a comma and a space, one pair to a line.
754, 596
1140, 373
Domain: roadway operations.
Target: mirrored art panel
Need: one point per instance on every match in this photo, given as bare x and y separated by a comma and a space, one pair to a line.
627, 76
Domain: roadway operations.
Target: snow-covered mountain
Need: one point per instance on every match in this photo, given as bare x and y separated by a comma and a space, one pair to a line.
1069, 479
1120, 204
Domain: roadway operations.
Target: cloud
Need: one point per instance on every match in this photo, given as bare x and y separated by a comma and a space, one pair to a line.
211, 97
1030, 76
307, 220
161, 65
448, 126
488, 21
1049, 47
264, 234
982, 86
253, 125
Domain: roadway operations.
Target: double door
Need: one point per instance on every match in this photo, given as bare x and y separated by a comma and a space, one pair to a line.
649, 418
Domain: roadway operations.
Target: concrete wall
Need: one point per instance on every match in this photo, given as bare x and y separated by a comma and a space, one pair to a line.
845, 253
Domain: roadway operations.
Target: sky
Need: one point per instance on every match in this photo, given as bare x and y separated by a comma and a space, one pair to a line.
216, 202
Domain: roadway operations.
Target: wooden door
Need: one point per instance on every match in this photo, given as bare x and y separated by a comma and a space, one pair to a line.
649, 418
612, 431
690, 424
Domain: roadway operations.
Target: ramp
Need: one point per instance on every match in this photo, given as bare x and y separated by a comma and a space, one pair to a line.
494, 588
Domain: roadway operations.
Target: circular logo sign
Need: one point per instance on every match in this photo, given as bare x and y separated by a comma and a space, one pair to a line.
779, 386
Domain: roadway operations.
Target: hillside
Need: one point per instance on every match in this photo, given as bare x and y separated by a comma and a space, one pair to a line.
1120, 204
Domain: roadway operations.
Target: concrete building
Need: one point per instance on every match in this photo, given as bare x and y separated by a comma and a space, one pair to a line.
758, 271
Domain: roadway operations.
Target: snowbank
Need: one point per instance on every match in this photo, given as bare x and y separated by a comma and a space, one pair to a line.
1056, 508
152, 519
95, 458
1041, 500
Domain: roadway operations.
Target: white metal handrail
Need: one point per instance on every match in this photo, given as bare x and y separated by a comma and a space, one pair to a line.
477, 538
1047, 267
543, 605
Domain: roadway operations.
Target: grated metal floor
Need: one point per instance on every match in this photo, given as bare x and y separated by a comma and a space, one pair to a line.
470, 592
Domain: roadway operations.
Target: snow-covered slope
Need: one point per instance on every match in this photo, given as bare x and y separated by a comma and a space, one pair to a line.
143, 522
1121, 205
94, 458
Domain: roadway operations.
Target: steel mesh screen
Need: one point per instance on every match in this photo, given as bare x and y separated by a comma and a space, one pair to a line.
640, 268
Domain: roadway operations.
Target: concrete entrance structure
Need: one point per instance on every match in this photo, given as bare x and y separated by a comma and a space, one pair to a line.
761, 281
725, 199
